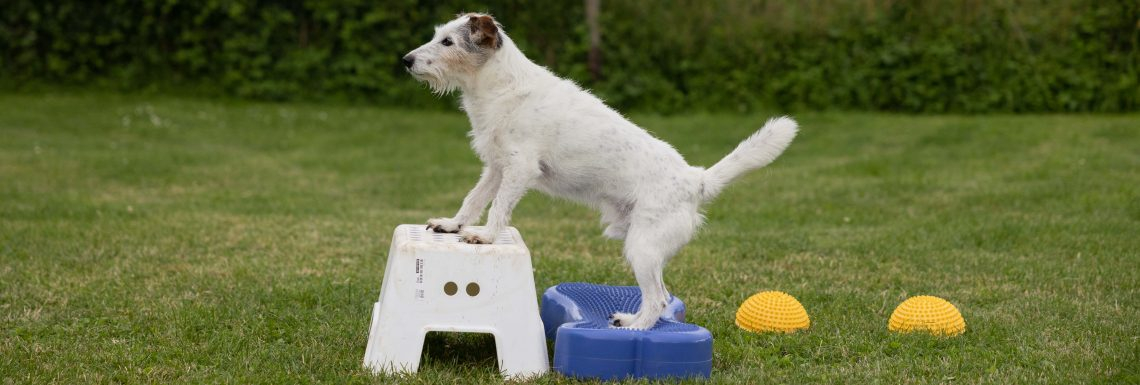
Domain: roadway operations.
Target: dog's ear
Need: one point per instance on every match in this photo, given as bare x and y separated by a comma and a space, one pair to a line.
484, 32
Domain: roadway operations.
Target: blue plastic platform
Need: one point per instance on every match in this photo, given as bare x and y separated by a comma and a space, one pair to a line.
577, 316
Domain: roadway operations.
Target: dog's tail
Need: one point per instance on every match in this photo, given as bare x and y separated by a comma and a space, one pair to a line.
757, 151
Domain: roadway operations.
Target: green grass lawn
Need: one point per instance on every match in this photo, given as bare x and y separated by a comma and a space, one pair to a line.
166, 240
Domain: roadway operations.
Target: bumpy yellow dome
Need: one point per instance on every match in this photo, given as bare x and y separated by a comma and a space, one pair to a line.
929, 314
772, 311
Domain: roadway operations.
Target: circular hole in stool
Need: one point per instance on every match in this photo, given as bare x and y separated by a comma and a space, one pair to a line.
472, 289
450, 288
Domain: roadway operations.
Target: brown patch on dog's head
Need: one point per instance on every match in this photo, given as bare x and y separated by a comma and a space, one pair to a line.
484, 30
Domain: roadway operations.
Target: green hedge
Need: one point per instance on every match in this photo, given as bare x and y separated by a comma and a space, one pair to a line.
918, 56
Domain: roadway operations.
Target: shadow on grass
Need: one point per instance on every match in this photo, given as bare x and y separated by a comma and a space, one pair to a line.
473, 352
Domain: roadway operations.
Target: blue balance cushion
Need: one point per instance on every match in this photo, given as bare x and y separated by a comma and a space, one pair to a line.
577, 316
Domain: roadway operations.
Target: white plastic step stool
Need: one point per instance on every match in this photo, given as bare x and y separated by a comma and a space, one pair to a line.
435, 282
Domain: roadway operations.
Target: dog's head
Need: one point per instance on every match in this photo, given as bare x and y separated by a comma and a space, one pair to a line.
458, 49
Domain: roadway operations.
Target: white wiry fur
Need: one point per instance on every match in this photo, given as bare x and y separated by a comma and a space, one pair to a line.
534, 130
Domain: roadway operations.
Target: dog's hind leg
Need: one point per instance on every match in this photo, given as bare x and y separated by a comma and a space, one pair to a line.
650, 244
616, 216
616, 230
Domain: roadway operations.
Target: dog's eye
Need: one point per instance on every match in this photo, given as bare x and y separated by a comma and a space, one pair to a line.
446, 42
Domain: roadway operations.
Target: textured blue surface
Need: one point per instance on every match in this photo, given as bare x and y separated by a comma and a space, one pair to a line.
577, 316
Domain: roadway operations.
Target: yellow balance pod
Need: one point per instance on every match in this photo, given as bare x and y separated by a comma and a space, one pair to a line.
772, 311
928, 314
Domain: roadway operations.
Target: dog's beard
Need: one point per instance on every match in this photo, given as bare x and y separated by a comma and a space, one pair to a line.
439, 84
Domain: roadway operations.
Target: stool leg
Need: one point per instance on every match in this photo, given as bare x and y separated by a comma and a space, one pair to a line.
521, 350
394, 346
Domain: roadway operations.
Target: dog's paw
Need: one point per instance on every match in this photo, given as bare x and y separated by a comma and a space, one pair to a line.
631, 321
620, 320
475, 237
443, 225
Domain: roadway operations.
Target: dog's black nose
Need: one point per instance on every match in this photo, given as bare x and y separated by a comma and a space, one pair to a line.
409, 60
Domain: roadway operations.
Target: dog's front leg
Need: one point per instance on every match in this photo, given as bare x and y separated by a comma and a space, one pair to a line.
517, 177
473, 205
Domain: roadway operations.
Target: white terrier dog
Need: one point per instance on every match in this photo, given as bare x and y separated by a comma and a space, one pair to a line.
533, 129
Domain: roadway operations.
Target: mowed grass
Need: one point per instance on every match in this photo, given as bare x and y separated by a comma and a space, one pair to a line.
166, 240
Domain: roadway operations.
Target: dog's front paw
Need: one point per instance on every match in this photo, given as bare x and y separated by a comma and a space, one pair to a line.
475, 237
443, 225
